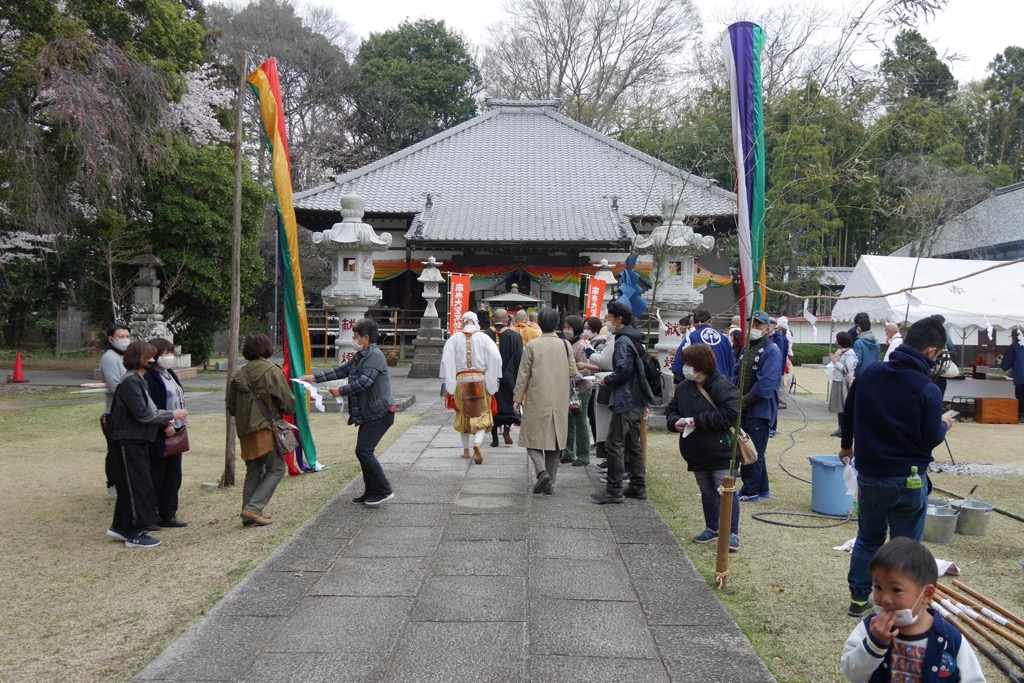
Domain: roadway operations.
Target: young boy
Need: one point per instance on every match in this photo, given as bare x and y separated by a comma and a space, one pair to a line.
905, 640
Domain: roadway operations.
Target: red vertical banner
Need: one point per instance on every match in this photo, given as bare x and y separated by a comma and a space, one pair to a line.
458, 301
595, 297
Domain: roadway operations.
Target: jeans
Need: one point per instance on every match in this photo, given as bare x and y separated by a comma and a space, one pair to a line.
755, 477
577, 446
884, 504
622, 447
370, 434
262, 475
708, 483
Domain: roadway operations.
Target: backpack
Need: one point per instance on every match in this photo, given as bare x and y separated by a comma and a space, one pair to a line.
651, 369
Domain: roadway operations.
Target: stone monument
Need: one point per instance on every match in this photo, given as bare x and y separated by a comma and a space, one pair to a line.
429, 342
672, 246
351, 243
147, 320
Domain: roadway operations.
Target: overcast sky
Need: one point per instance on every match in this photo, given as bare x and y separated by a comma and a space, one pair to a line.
976, 29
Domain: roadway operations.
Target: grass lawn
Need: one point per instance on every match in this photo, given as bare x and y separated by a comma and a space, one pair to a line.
787, 587
81, 607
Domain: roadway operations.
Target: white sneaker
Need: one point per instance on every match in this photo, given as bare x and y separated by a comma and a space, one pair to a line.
111, 493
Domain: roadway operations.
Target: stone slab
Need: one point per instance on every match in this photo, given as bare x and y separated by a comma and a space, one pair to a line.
373, 576
415, 494
598, 629
472, 598
343, 624
648, 530
400, 513
661, 562
566, 579
557, 669
703, 653
572, 544
447, 652
266, 594
395, 542
480, 558
316, 667
305, 554
678, 602
489, 504
486, 527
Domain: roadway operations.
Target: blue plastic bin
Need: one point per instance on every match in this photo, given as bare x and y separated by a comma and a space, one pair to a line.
828, 489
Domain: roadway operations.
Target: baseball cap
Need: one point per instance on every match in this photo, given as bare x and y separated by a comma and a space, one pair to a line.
761, 317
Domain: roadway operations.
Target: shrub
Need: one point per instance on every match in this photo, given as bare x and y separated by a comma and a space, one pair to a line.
809, 353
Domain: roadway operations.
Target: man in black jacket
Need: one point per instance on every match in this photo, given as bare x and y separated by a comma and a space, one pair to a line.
510, 346
629, 400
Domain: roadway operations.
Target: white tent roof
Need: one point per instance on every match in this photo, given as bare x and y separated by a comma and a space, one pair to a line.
994, 298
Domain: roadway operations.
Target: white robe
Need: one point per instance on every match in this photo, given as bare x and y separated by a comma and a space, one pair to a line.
486, 359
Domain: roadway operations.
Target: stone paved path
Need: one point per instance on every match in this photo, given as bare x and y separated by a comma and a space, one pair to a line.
468, 576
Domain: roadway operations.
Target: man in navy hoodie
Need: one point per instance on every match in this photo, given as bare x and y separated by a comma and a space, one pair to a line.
894, 413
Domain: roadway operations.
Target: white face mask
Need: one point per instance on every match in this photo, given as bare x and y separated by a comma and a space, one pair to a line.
756, 334
121, 344
568, 334
689, 373
165, 361
904, 617
588, 333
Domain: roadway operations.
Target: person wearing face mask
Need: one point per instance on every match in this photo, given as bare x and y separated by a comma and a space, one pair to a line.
894, 415
371, 406
905, 635
112, 370
133, 425
703, 410
760, 368
167, 393
577, 447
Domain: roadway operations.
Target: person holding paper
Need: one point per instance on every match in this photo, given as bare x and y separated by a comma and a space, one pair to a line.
703, 410
370, 405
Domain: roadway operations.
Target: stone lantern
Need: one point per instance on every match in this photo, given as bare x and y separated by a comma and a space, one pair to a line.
351, 243
429, 342
673, 246
147, 320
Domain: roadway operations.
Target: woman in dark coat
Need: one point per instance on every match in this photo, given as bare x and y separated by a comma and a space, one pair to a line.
132, 427
167, 393
371, 407
707, 449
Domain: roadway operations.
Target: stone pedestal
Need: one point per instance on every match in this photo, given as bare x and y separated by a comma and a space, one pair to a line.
147, 320
429, 342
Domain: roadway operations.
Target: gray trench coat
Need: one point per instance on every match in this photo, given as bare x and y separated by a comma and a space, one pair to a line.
543, 390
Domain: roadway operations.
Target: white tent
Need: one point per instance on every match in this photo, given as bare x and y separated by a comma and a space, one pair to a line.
967, 298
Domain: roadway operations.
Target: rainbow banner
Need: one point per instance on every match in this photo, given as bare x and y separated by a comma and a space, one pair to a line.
264, 85
742, 45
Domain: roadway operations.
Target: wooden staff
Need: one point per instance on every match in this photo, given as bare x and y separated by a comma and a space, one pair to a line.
1002, 621
992, 656
995, 628
727, 491
995, 606
978, 625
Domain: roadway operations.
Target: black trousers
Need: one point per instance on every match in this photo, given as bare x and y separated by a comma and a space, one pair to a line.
110, 462
370, 434
135, 508
166, 475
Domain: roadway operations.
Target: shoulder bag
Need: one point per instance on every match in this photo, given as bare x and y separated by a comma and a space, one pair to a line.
748, 452
284, 437
575, 402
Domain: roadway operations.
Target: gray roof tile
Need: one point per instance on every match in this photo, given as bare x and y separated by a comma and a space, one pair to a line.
520, 171
997, 221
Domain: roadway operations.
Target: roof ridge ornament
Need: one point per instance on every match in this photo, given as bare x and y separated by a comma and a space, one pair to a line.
497, 103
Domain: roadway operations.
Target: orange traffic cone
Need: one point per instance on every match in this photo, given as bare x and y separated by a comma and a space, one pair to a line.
19, 375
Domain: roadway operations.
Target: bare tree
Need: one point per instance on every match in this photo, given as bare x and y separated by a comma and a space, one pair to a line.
591, 54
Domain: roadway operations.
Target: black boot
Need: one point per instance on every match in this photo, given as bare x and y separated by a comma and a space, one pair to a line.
494, 436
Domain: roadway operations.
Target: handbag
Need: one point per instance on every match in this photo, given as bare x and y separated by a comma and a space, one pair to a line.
176, 444
284, 437
748, 452
575, 402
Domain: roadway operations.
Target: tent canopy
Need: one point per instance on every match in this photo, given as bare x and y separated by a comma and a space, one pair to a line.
994, 298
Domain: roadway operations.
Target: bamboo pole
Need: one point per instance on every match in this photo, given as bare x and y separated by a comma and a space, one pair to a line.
977, 644
228, 478
975, 618
989, 622
973, 603
1005, 613
727, 491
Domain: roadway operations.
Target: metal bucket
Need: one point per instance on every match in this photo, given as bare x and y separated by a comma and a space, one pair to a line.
934, 502
939, 524
973, 517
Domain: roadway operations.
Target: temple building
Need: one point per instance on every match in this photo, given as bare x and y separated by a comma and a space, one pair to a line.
523, 195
